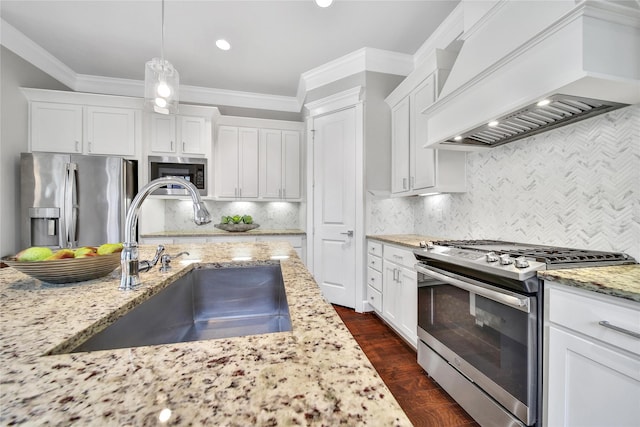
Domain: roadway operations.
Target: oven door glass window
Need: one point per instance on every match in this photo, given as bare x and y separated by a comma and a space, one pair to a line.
495, 339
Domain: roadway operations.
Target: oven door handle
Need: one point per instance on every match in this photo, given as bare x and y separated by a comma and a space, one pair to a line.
503, 297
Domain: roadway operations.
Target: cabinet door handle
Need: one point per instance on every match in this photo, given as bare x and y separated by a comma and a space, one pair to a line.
89, 146
404, 183
184, 144
606, 324
284, 193
78, 146
171, 146
279, 193
413, 181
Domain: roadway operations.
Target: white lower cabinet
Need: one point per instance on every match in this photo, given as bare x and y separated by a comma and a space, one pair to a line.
399, 291
592, 372
374, 275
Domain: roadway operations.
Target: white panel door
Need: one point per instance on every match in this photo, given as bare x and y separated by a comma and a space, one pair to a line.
56, 127
248, 162
163, 133
227, 162
400, 147
334, 206
270, 163
192, 135
423, 161
291, 169
111, 131
590, 385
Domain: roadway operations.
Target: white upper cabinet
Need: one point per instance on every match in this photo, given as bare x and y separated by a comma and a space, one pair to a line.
415, 169
110, 131
71, 122
193, 135
279, 164
163, 133
178, 135
400, 147
422, 160
237, 162
56, 127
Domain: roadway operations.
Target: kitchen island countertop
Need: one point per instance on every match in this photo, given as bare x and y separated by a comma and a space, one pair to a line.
622, 281
314, 375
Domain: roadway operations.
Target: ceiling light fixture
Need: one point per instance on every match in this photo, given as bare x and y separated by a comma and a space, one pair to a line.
223, 44
324, 3
543, 102
493, 124
161, 82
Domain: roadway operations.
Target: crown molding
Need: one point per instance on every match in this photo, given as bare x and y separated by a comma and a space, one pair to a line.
335, 102
365, 59
448, 31
31, 52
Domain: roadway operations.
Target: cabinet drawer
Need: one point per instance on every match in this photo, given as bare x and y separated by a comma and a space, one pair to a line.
399, 256
374, 248
374, 262
374, 279
582, 312
375, 298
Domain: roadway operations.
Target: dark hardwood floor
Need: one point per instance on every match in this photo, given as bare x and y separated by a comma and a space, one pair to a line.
424, 402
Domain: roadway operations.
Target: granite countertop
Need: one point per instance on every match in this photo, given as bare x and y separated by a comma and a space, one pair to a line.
217, 232
314, 375
409, 240
619, 281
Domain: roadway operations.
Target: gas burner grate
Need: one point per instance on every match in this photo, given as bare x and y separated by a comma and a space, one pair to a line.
552, 256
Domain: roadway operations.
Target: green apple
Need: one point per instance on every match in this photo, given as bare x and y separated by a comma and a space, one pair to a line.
34, 253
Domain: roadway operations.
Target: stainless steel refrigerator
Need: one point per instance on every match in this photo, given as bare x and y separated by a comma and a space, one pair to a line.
70, 200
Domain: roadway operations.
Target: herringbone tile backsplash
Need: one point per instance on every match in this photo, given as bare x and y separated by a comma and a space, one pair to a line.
576, 186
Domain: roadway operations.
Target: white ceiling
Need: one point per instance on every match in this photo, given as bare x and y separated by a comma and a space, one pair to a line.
273, 42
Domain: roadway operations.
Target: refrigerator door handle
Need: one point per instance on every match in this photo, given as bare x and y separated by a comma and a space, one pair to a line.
70, 206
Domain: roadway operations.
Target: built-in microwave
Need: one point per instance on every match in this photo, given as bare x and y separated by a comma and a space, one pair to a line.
192, 169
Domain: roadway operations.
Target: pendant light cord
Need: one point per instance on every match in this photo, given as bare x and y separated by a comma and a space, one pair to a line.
162, 37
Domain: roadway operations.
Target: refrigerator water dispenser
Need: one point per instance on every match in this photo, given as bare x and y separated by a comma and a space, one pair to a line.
45, 226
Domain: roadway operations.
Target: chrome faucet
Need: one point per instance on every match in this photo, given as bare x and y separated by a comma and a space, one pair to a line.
129, 260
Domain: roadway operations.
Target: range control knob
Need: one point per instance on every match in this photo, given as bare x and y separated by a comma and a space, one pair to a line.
505, 259
428, 245
521, 262
491, 257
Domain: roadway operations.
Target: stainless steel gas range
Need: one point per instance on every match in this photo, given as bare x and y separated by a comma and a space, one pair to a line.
480, 322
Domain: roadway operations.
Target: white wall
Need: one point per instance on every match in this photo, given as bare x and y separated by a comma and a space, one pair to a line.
576, 186
14, 73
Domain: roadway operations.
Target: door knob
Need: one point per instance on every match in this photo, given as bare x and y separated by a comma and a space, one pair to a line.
348, 233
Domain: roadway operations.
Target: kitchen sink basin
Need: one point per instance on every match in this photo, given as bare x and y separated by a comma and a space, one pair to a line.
204, 304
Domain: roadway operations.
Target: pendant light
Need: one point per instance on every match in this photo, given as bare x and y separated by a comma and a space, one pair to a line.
161, 82
324, 3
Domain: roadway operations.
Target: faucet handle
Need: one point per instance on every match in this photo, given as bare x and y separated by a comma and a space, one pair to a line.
146, 265
166, 260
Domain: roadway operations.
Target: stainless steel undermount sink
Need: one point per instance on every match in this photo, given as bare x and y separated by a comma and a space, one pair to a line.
204, 304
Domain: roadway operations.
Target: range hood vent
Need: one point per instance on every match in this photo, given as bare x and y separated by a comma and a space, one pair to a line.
553, 112
582, 56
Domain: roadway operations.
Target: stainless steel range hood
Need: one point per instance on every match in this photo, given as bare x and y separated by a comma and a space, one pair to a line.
579, 58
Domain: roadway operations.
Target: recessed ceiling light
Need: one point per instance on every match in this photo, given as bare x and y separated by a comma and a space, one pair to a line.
457, 138
324, 3
223, 44
493, 124
543, 102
